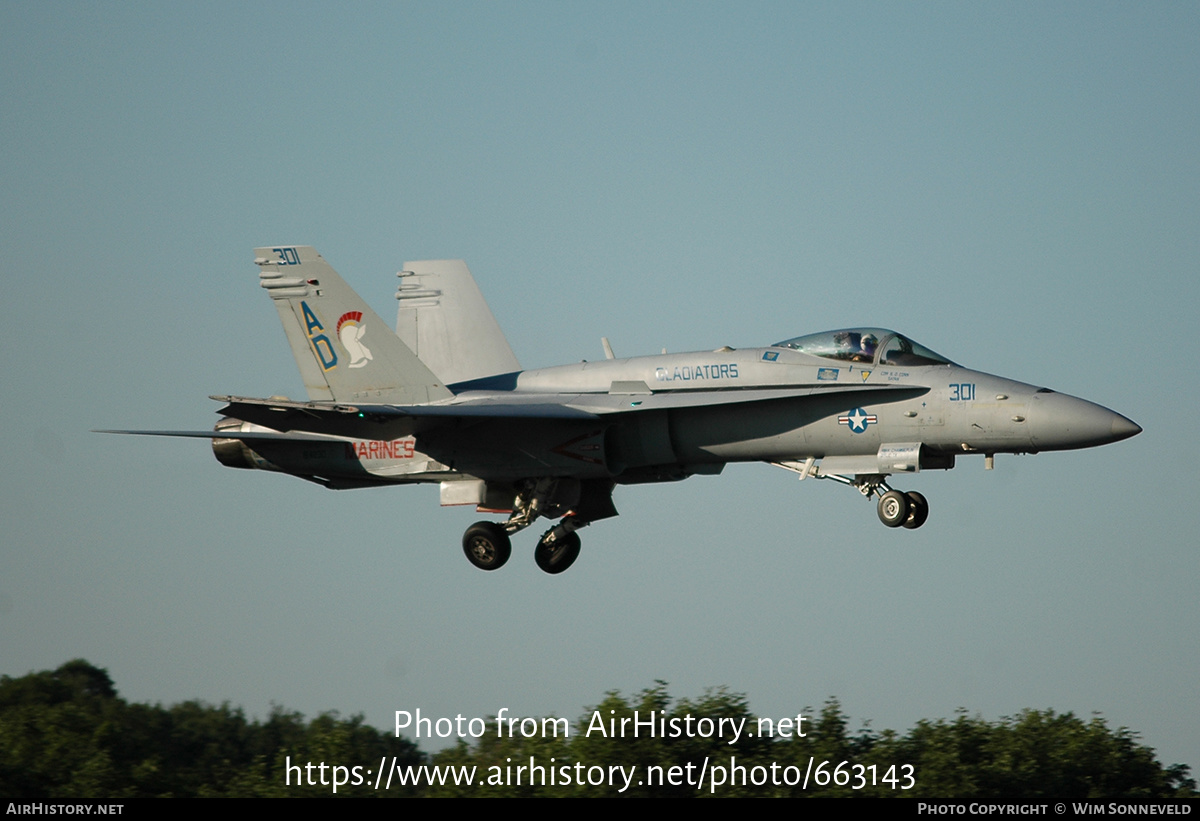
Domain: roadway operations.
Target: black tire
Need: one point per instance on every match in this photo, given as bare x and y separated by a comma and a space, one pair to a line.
893, 508
486, 545
918, 510
559, 556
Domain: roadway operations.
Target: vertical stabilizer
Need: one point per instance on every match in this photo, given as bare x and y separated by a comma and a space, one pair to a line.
344, 350
445, 320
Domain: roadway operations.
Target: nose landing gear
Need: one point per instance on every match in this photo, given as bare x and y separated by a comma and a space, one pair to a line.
896, 508
918, 510
899, 509
893, 508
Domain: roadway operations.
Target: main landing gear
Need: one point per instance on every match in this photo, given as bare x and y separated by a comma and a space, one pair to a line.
555, 552
487, 544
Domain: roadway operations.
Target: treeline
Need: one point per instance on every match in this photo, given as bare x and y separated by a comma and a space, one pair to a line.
67, 734
1034, 755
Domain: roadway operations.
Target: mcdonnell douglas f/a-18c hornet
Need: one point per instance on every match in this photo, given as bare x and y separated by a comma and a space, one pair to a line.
444, 400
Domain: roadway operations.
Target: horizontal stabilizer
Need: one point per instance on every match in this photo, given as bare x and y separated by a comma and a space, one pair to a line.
231, 434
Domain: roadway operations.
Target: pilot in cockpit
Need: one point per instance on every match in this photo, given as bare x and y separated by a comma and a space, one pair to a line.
847, 344
867, 346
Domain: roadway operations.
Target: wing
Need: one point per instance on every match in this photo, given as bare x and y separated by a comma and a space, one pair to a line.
381, 421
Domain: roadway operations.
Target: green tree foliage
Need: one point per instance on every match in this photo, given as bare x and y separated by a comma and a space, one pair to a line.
1037, 754
1034, 755
66, 734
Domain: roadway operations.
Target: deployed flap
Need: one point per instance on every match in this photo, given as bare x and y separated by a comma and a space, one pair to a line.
344, 350
444, 319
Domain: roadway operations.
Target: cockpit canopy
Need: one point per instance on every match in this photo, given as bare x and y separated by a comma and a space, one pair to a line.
867, 345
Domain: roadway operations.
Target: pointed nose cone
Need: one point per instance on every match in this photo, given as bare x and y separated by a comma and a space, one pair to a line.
1061, 422
1123, 428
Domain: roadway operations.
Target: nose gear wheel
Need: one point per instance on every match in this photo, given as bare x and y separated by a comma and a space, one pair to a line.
893, 508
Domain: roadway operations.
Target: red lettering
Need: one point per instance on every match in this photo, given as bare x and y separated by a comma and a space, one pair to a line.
377, 449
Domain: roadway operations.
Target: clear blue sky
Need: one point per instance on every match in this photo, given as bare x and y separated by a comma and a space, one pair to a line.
1015, 185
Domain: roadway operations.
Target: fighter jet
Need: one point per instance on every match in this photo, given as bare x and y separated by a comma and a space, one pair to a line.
445, 400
